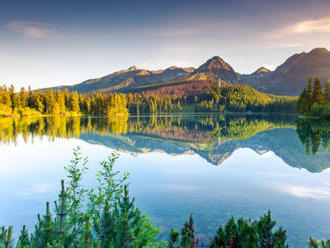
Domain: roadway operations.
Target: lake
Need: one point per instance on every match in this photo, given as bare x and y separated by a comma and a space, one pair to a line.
207, 165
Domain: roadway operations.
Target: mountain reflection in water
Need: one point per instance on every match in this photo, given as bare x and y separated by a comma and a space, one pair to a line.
300, 143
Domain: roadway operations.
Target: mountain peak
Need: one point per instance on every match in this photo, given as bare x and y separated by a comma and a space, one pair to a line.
173, 67
217, 69
261, 70
319, 50
133, 68
215, 63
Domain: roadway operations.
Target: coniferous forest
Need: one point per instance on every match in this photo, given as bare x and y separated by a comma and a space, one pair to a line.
193, 97
315, 99
50, 102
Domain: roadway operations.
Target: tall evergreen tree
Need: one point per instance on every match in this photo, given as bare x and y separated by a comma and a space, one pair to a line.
317, 92
327, 92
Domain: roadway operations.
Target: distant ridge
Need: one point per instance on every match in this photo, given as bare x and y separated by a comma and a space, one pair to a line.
288, 79
261, 70
291, 77
129, 78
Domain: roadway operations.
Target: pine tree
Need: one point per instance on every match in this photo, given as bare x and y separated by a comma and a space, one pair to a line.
310, 86
74, 102
327, 92
317, 92
6, 237
304, 102
24, 239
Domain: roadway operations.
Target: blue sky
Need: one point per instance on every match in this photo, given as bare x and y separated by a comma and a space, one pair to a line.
47, 43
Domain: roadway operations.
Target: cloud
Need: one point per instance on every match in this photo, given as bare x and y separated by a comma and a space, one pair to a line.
309, 26
299, 28
35, 30
308, 192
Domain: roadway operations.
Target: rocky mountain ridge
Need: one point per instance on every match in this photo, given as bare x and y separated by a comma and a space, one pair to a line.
288, 79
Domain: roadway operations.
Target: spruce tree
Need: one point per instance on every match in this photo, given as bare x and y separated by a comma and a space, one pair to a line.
327, 92
317, 92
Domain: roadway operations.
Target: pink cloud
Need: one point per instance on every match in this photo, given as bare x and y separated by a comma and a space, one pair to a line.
299, 28
30, 29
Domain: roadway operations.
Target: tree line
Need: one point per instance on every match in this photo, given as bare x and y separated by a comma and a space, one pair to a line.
206, 96
56, 102
201, 96
315, 99
107, 217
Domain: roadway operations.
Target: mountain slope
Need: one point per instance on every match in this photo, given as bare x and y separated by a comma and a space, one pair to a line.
215, 69
128, 79
288, 79
291, 77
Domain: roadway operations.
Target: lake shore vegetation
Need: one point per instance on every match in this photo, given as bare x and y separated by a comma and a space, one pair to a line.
107, 217
63, 103
201, 96
314, 101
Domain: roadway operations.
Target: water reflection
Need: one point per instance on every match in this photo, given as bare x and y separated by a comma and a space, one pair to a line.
314, 134
212, 137
170, 160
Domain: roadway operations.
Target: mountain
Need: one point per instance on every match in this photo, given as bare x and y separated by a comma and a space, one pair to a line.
291, 77
284, 142
129, 78
215, 69
261, 72
255, 77
288, 79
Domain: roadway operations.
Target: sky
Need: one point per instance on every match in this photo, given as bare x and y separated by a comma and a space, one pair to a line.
62, 42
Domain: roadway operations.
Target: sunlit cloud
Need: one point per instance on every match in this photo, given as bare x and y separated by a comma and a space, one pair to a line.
299, 28
309, 26
35, 30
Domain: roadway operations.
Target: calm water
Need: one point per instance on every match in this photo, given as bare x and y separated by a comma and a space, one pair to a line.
208, 165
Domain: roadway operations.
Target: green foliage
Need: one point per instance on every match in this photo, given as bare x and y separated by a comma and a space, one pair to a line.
318, 243
6, 237
244, 233
313, 101
50, 102
317, 96
207, 96
314, 134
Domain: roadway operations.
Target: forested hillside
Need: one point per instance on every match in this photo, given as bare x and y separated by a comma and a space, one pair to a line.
207, 96
190, 96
